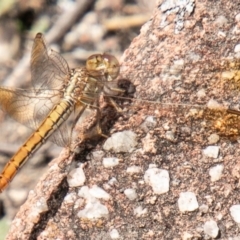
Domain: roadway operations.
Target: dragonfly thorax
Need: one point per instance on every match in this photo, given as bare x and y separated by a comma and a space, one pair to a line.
77, 83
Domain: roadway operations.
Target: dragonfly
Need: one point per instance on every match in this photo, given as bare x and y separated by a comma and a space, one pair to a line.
57, 92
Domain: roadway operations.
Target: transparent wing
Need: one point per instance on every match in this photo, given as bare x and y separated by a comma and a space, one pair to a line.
27, 107
63, 136
49, 70
30, 109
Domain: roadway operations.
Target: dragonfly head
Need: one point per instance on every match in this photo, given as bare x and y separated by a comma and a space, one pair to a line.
104, 65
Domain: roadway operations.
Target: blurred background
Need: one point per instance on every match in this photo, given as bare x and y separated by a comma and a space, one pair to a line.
76, 29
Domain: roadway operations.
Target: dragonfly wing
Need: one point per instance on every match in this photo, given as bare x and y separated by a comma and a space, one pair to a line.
49, 69
30, 109
63, 136
27, 107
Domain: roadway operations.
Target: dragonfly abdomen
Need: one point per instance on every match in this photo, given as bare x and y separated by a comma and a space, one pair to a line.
55, 118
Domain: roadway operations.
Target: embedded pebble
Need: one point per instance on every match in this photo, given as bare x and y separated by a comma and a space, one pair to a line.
216, 172
70, 198
134, 169
169, 7
170, 136
203, 208
221, 20
213, 104
211, 151
186, 130
152, 165
97, 155
235, 212
222, 34
76, 177
93, 192
38, 208
219, 216
237, 17
237, 48
121, 142
187, 236
41, 205
84, 193
201, 93
158, 179
213, 138
114, 234
149, 123
211, 228
130, 193
139, 211
110, 162
175, 69
98, 192
166, 126
93, 210
187, 202
112, 181
227, 75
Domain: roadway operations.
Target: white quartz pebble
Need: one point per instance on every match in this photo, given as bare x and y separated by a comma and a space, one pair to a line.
187, 202
158, 179
76, 177
235, 213
211, 228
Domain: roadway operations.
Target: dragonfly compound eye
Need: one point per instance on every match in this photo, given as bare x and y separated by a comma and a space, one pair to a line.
105, 64
112, 66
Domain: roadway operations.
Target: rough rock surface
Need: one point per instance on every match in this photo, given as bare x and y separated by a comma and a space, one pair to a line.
176, 59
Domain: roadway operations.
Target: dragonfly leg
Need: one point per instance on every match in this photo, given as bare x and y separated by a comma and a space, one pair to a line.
124, 89
95, 130
114, 104
97, 127
117, 90
113, 91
